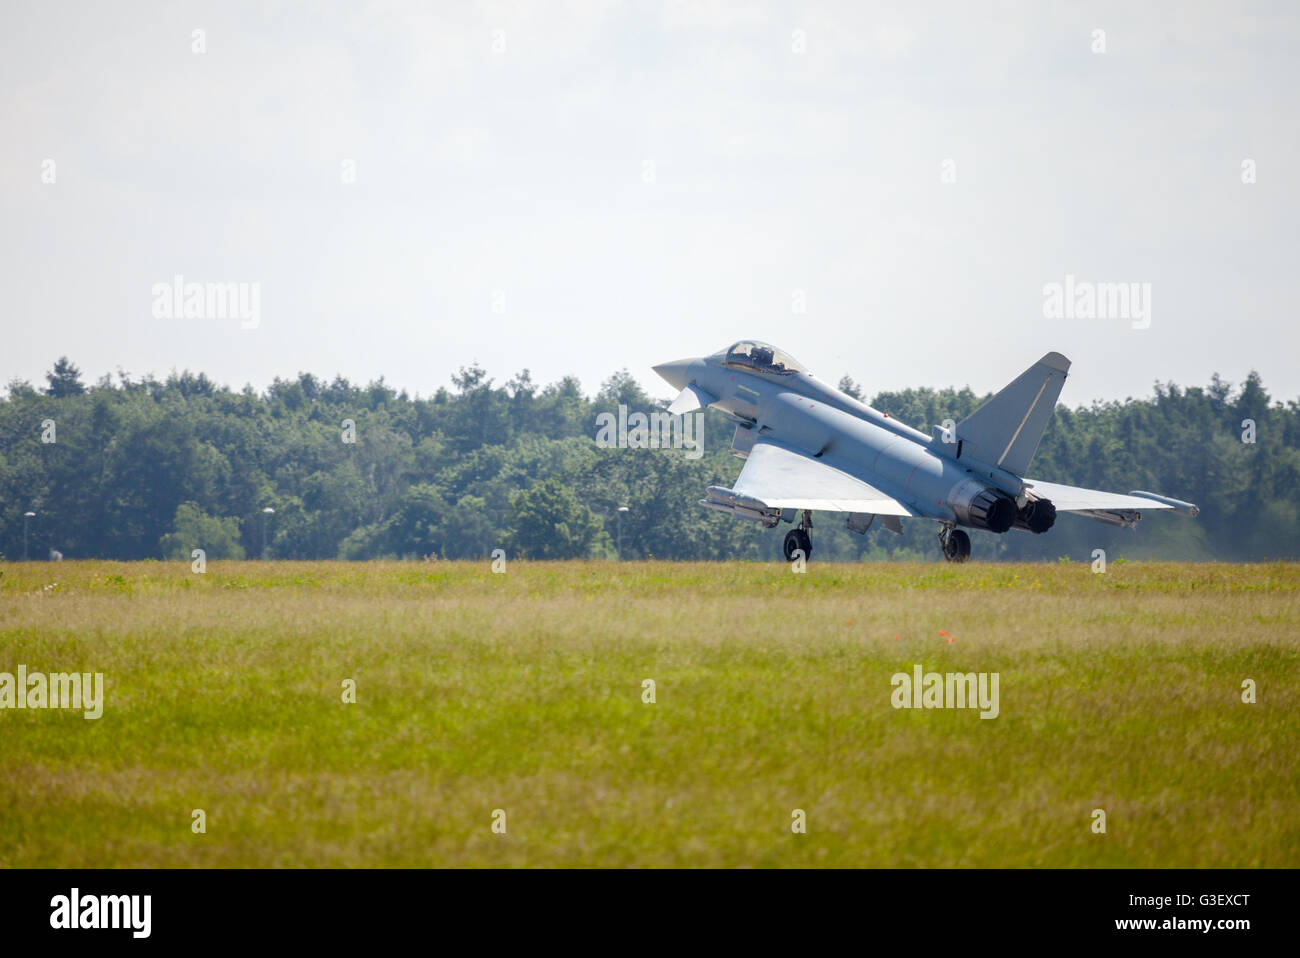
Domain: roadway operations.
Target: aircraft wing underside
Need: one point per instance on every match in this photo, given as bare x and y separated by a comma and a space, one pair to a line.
783, 479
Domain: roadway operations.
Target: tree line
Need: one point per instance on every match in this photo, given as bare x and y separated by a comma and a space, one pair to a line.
153, 468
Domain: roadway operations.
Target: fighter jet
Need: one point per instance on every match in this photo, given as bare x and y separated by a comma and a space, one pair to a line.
809, 447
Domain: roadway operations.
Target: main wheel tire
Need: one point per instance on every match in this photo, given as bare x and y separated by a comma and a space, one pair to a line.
957, 547
791, 543
805, 543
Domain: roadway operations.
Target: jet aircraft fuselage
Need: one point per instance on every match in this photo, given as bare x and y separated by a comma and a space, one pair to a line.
809, 446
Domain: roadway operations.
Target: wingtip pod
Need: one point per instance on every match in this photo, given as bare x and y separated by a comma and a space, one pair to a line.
1178, 505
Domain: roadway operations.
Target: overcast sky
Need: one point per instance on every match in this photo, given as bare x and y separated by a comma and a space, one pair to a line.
580, 187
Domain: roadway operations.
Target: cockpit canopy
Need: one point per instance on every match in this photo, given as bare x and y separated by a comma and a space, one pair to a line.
755, 355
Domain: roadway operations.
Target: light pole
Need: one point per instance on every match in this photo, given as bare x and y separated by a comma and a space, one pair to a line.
268, 511
27, 517
619, 514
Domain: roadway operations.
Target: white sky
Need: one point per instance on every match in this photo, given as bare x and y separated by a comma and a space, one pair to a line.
523, 171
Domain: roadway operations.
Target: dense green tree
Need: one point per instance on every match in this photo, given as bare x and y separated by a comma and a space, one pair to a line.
363, 471
192, 528
548, 522
64, 380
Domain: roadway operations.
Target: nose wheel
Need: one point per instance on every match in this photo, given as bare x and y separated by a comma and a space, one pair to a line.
956, 544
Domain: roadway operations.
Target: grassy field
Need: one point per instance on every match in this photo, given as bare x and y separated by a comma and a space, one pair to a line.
523, 692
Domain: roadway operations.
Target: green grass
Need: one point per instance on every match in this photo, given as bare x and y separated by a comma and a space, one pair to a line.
523, 692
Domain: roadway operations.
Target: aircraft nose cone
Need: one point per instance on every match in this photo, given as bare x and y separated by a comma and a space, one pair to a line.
674, 373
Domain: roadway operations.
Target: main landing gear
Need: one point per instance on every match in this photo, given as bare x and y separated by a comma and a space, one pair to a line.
799, 539
955, 543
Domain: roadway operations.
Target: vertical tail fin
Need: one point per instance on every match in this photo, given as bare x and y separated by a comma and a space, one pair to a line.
1006, 430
